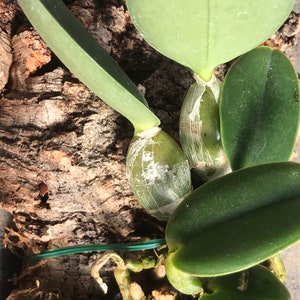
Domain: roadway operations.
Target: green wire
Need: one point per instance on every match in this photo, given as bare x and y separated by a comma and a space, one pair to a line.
146, 245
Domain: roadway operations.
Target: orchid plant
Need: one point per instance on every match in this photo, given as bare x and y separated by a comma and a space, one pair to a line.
238, 133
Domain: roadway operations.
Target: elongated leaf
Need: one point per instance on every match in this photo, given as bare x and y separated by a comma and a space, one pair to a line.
258, 283
201, 34
259, 109
90, 63
236, 221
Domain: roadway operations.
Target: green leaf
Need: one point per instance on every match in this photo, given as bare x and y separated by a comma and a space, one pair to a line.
257, 283
236, 221
259, 109
88, 61
184, 282
201, 34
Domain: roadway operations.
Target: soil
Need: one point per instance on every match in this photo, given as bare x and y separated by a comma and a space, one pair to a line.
62, 163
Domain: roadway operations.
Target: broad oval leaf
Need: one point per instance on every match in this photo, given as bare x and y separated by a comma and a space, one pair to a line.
259, 109
236, 221
258, 283
201, 34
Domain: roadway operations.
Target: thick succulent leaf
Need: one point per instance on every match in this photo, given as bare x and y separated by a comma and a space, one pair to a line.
201, 34
259, 109
236, 221
184, 282
257, 283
